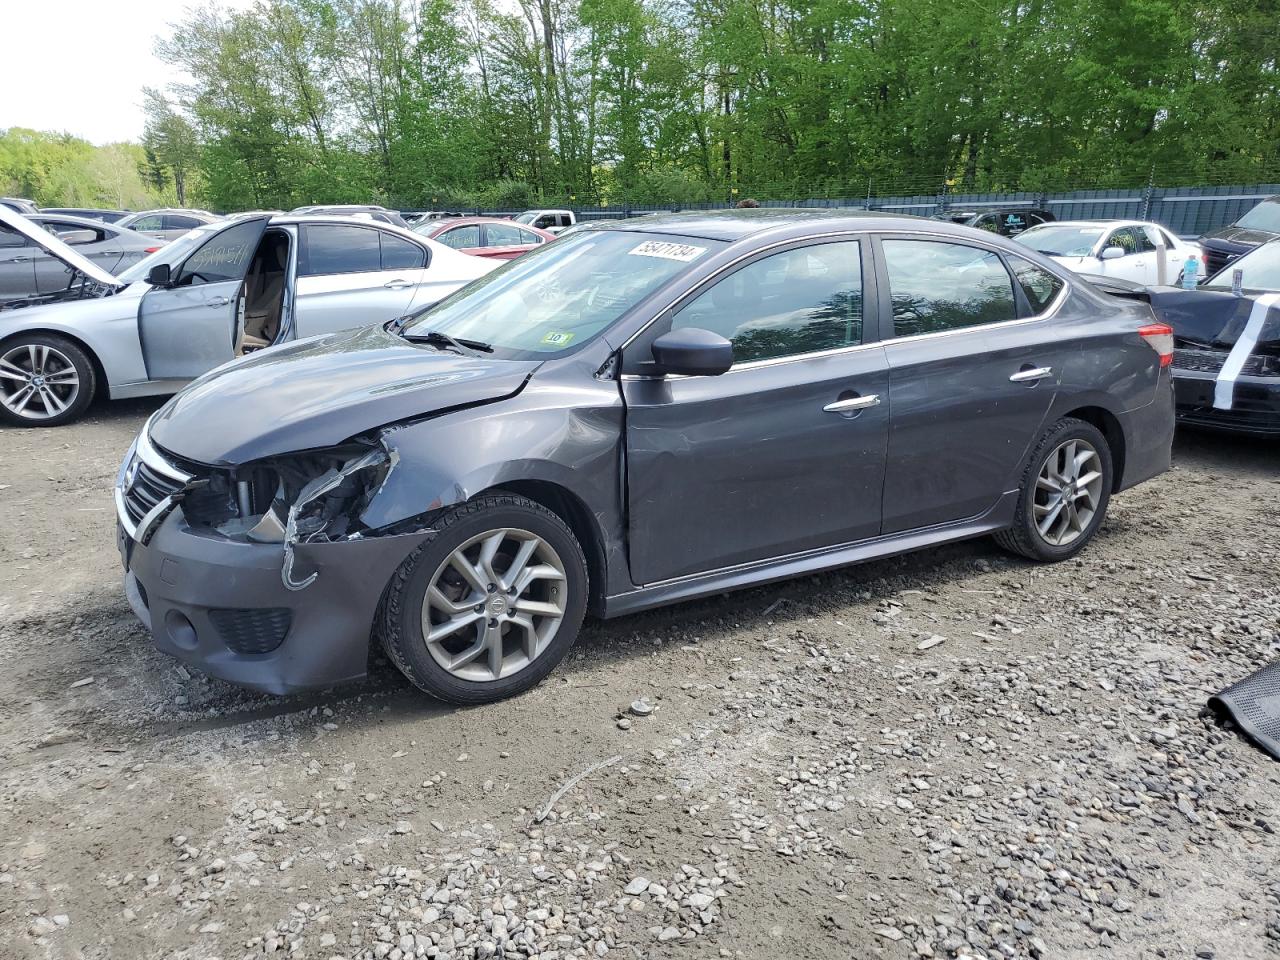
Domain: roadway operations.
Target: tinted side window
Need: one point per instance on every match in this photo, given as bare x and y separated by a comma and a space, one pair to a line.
399, 254
1013, 224
224, 256
461, 238
176, 221
790, 303
503, 235
1040, 286
1131, 240
528, 236
11, 238
945, 286
328, 248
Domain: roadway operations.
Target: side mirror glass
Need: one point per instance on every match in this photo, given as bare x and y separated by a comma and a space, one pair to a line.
692, 352
1112, 253
159, 275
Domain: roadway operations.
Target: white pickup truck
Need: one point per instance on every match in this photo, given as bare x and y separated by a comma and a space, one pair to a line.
550, 220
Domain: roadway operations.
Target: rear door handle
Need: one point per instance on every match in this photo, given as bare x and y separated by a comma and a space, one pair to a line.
217, 301
397, 284
852, 404
1039, 373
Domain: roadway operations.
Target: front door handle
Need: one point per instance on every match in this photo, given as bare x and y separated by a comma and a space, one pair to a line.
19, 260
1037, 373
852, 404
397, 284
217, 301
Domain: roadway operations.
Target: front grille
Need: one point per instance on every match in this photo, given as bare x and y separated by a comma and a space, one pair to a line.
1217, 259
252, 631
149, 487
1211, 361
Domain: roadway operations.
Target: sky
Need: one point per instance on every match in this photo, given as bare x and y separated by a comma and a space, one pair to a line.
46, 38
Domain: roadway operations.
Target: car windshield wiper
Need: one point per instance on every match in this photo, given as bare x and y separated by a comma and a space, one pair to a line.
439, 337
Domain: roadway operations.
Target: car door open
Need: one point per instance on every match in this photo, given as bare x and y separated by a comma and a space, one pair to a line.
189, 325
804, 409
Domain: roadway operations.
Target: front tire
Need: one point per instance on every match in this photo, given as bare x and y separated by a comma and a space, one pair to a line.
1064, 493
489, 605
45, 381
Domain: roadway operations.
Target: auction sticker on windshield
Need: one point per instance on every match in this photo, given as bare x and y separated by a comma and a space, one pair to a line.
557, 339
684, 252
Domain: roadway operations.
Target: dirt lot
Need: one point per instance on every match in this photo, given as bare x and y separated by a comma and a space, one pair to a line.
820, 776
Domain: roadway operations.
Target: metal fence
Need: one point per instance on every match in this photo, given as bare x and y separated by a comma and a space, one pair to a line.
1187, 211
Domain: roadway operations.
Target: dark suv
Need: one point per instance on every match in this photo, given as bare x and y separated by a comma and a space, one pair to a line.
1006, 221
1259, 225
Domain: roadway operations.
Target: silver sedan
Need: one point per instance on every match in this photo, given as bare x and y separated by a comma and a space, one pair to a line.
27, 268
220, 291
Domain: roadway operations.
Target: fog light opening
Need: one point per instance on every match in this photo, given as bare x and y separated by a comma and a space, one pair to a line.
180, 630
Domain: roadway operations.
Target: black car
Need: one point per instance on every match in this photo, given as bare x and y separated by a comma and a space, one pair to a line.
92, 213
1226, 358
1006, 221
645, 412
1259, 225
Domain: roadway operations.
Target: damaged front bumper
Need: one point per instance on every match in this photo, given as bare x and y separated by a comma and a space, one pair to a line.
292, 614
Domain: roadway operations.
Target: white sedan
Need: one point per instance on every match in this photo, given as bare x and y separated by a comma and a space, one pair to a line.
1125, 249
215, 293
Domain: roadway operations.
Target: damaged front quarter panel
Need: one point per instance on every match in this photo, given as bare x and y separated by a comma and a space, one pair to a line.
311, 493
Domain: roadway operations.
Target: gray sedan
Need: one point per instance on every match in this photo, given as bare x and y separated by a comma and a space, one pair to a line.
27, 269
641, 413
168, 224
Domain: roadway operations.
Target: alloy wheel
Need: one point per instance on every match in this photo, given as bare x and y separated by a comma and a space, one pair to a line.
494, 605
37, 381
1068, 491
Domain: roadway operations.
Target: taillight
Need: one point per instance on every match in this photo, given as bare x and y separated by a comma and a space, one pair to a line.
1159, 337
150, 249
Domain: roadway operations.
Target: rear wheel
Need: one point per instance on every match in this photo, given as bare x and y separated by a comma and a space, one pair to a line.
488, 606
45, 381
1064, 493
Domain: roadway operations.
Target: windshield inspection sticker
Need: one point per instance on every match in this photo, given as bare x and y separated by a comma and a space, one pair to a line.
684, 252
557, 339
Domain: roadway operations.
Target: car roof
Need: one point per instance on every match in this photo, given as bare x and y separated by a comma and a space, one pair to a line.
735, 224
72, 218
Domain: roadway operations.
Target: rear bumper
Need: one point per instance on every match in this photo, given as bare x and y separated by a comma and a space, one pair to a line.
221, 606
1255, 407
1148, 437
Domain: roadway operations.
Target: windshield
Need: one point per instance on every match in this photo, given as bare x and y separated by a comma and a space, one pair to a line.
1259, 267
563, 294
1265, 216
527, 217
172, 253
1061, 241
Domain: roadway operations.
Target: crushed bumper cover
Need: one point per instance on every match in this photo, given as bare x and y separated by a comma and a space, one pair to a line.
201, 596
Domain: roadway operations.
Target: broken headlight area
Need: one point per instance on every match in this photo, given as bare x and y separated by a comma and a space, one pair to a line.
313, 497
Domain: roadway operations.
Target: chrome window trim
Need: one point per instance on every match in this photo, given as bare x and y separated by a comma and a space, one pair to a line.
765, 362
861, 236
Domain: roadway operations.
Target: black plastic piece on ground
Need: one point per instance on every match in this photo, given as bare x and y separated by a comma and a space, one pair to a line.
1254, 705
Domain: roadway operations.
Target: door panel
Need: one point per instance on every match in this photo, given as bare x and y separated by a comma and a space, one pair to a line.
961, 427
17, 266
187, 331
749, 465
326, 304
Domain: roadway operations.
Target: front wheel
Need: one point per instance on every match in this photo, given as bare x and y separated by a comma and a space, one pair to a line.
1064, 493
490, 604
45, 381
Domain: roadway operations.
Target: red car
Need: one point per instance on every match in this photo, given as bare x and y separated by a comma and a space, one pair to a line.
485, 236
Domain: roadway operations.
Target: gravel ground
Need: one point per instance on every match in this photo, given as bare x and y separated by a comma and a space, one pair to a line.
951, 754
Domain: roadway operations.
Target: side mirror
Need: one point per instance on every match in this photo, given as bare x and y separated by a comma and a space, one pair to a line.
693, 352
159, 275
1112, 253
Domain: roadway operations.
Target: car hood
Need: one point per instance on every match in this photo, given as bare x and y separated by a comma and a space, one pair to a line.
56, 248
319, 392
1241, 235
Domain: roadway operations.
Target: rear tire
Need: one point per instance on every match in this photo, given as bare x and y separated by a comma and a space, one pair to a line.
488, 606
45, 381
1064, 493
